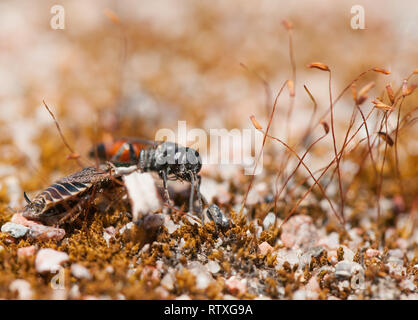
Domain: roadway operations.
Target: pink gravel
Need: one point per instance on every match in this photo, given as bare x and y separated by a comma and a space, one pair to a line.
235, 285
26, 251
264, 248
39, 231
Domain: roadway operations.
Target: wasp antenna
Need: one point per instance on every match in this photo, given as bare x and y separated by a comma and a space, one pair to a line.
27, 198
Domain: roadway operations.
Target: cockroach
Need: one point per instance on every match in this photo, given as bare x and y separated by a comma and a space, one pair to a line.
63, 200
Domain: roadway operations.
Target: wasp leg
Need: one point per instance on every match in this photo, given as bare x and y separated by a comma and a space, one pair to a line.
163, 175
199, 196
132, 155
192, 189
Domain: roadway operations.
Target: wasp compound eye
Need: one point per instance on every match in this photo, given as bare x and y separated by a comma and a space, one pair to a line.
216, 215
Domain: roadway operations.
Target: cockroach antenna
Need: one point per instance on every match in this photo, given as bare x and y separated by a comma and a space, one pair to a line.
27, 198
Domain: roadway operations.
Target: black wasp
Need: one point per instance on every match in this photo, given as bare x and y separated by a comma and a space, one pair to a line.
170, 160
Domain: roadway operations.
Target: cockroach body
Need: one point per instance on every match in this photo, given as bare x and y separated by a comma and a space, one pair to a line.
63, 200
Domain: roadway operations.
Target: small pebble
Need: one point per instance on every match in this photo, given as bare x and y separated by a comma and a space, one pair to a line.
408, 284
264, 248
171, 226
109, 234
150, 272
60, 294
313, 285
80, 272
126, 227
372, 253
332, 241
269, 220
163, 293
213, 266
299, 295
235, 285
26, 251
143, 193
74, 292
109, 269
287, 255
348, 253
167, 282
23, 289
347, 268
49, 260
145, 248
39, 231
203, 279
14, 229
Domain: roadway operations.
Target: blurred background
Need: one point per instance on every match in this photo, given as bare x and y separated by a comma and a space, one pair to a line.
129, 68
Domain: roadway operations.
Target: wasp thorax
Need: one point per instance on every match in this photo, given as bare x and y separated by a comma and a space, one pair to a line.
171, 158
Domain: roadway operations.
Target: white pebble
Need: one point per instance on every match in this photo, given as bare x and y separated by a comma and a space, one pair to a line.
269, 220
14, 229
171, 226
143, 193
167, 282
348, 253
80, 272
126, 227
289, 255
23, 288
74, 292
203, 279
49, 260
299, 295
213, 266
347, 268
109, 269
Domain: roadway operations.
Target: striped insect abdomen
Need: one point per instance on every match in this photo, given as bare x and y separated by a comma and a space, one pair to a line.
58, 192
59, 198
